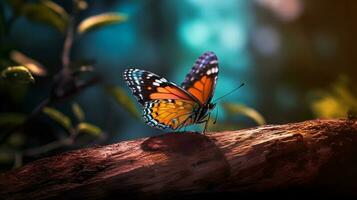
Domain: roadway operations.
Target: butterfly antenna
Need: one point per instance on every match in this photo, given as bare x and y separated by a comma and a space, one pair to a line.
235, 89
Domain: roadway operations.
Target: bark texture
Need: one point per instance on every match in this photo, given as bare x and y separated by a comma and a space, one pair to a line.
313, 155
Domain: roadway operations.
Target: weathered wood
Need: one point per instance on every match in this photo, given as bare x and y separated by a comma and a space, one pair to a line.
312, 154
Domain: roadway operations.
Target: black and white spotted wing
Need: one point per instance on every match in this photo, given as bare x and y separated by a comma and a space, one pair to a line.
143, 83
147, 86
165, 105
201, 80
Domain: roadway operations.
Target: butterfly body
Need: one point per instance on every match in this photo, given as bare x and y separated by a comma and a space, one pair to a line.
202, 112
166, 105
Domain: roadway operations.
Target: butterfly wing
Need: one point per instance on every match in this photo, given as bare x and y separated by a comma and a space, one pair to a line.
167, 113
201, 81
147, 86
165, 105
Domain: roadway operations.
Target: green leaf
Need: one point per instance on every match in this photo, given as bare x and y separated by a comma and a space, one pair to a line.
335, 102
56, 9
19, 74
47, 14
239, 109
16, 140
328, 106
78, 112
35, 67
11, 119
123, 99
97, 21
58, 117
88, 128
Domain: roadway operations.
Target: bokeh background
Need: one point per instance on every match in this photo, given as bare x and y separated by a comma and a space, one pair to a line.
297, 59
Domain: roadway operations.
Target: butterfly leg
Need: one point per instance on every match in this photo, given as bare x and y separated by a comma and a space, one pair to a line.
183, 124
206, 120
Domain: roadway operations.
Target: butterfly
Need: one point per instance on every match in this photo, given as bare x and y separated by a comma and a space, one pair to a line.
167, 105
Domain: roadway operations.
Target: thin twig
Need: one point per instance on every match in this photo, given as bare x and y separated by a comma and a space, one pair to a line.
39, 108
66, 54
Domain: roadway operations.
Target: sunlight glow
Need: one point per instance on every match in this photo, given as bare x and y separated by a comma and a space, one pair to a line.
233, 37
195, 33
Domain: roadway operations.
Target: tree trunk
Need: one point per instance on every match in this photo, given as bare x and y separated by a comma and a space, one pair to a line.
317, 155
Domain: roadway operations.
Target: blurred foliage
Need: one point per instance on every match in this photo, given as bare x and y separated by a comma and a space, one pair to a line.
88, 128
66, 122
46, 12
66, 83
78, 112
234, 109
56, 9
123, 99
18, 74
16, 140
336, 102
97, 21
58, 117
11, 119
34, 66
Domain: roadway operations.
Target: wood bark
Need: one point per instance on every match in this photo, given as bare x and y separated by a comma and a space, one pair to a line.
317, 155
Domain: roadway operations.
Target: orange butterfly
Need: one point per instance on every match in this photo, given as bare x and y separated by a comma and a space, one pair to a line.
166, 105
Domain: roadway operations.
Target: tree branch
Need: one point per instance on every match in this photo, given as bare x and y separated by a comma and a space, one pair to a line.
317, 154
